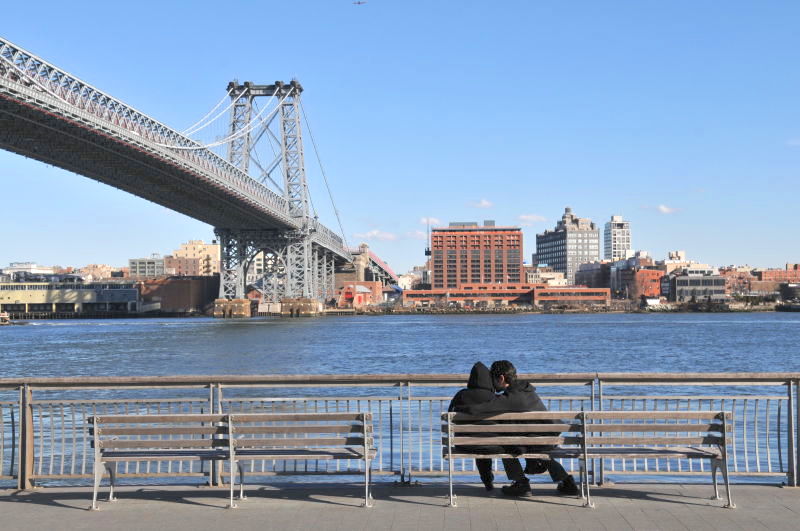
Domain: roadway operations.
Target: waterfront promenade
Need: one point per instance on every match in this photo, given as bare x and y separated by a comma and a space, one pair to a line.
336, 507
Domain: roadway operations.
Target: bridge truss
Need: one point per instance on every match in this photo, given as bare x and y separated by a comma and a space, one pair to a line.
50, 115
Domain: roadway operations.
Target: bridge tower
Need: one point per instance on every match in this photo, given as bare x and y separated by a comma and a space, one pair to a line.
293, 268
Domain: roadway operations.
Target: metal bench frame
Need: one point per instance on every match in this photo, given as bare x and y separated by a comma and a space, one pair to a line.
232, 438
640, 435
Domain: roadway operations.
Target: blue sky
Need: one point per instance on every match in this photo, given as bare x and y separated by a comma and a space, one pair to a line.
682, 116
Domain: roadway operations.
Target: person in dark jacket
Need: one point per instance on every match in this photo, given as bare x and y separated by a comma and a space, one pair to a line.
479, 390
518, 396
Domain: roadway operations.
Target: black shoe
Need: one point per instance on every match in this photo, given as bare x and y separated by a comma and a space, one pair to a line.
567, 487
488, 481
518, 488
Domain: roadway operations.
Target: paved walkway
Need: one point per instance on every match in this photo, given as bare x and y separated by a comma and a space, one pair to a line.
331, 507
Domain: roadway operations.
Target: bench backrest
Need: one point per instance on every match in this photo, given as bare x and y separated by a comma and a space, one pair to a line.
532, 428
668, 428
246, 430
285, 430
159, 432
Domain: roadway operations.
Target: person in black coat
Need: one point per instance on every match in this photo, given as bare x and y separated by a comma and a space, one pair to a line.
518, 396
479, 390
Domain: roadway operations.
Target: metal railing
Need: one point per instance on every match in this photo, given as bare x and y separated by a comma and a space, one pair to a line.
45, 435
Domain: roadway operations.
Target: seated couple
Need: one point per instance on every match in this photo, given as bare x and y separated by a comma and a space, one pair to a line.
479, 398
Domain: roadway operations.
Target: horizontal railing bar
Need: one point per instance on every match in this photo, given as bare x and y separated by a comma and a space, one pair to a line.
310, 398
693, 397
744, 378
123, 401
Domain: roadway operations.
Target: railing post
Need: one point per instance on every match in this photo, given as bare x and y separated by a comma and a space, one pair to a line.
25, 476
792, 416
217, 479
601, 466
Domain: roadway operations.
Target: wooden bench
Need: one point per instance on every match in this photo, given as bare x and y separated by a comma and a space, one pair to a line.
534, 428
303, 437
138, 438
588, 435
660, 435
230, 437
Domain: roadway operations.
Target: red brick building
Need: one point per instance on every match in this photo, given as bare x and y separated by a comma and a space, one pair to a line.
570, 296
472, 296
790, 274
467, 253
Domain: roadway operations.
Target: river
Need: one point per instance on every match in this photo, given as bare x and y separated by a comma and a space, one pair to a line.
758, 342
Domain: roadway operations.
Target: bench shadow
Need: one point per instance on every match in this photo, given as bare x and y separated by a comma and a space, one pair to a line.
441, 498
598, 493
62, 499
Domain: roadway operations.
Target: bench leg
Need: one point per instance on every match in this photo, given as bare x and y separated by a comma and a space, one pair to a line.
453, 500
587, 500
112, 474
232, 504
730, 504
241, 481
98, 476
367, 494
715, 464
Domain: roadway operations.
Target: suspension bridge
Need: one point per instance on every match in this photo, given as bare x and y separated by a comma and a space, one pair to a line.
249, 184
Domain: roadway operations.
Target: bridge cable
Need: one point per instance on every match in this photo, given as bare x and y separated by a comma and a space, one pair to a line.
245, 130
191, 129
324, 175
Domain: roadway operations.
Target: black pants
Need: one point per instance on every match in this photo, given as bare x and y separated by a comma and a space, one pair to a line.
515, 472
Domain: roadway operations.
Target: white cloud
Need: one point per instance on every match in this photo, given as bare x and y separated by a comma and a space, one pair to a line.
526, 220
376, 234
416, 235
430, 221
483, 203
664, 209
794, 142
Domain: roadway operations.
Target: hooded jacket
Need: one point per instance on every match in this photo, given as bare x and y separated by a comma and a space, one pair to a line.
479, 389
516, 398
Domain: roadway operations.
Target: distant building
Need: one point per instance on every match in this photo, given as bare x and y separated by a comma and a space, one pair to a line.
467, 253
471, 296
31, 268
593, 274
548, 296
694, 284
97, 271
574, 241
544, 275
147, 267
790, 274
69, 297
195, 258
617, 239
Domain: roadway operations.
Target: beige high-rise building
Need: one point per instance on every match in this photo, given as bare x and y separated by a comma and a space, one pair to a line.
196, 258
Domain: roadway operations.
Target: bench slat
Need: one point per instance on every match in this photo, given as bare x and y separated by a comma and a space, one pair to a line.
644, 452
283, 441
238, 418
591, 441
684, 428
152, 419
565, 453
650, 415
511, 441
513, 428
528, 415
162, 430
304, 428
311, 454
164, 443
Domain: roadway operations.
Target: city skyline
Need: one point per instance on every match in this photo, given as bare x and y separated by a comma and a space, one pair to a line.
679, 120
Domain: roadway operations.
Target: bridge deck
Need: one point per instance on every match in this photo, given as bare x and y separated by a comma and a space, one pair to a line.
323, 507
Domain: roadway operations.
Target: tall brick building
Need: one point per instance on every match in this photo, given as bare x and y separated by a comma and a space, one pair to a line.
470, 253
